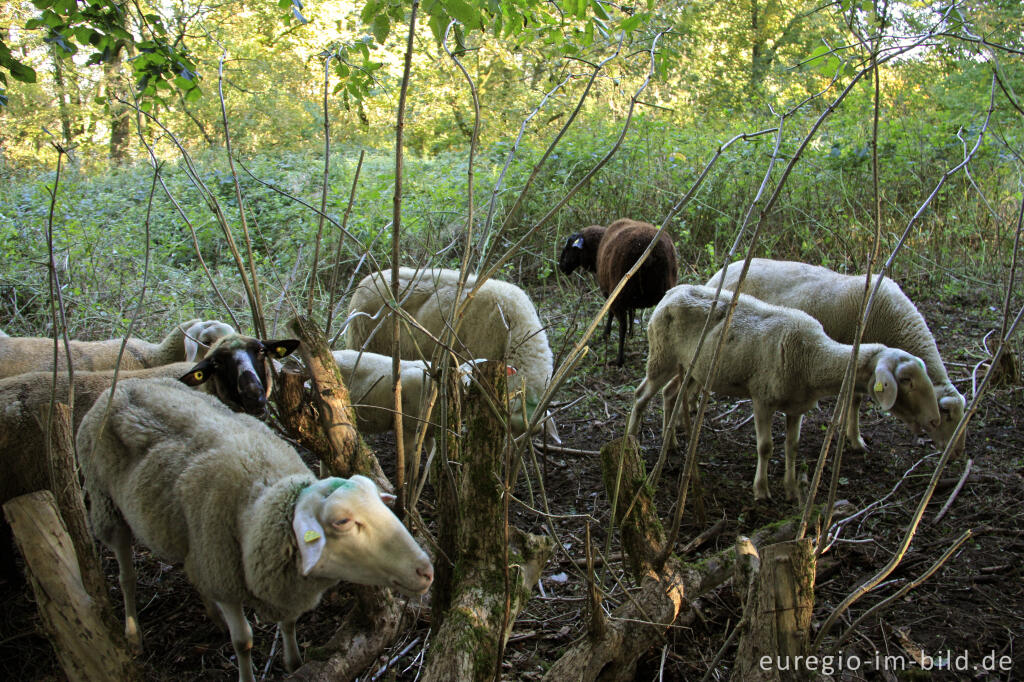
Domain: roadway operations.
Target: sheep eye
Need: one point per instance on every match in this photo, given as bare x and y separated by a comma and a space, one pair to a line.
342, 524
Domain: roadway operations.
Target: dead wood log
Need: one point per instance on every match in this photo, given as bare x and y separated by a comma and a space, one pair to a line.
86, 648
663, 597
486, 569
776, 637
348, 453
295, 408
67, 490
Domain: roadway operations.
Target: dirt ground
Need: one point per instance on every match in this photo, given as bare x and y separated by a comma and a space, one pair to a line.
968, 615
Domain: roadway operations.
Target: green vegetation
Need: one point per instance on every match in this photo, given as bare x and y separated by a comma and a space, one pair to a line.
719, 71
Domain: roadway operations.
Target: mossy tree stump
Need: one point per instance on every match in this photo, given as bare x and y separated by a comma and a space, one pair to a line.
776, 638
486, 569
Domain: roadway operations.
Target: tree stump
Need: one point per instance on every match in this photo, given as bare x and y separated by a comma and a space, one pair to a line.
485, 570
86, 648
776, 639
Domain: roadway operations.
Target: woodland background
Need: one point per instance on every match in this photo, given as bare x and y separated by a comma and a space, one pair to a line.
138, 140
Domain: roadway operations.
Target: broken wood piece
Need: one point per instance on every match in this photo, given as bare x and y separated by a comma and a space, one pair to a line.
85, 646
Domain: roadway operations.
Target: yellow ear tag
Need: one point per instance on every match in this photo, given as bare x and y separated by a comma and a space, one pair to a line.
311, 536
281, 350
879, 387
198, 376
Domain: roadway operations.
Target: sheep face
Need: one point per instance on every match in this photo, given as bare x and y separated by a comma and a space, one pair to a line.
345, 531
901, 385
242, 365
572, 253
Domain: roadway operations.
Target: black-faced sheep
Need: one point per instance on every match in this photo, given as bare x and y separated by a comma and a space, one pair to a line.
201, 485
610, 252
500, 322
236, 370
779, 357
835, 300
187, 342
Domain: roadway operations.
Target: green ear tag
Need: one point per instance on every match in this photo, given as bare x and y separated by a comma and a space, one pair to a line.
311, 536
879, 387
281, 350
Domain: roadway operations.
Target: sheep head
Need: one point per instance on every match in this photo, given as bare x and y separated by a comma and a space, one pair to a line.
901, 385
345, 531
241, 367
580, 250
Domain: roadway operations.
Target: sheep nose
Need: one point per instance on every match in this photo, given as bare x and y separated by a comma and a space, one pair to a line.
426, 572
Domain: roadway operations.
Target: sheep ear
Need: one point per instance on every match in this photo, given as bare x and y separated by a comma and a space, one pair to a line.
199, 374
191, 349
280, 349
388, 499
309, 532
884, 388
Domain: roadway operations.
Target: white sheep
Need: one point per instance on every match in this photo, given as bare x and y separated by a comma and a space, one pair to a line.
500, 322
186, 342
201, 485
835, 300
367, 377
779, 357
236, 371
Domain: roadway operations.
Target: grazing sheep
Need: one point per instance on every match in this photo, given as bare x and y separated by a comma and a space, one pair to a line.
834, 300
367, 377
187, 342
201, 485
779, 357
500, 322
611, 252
236, 370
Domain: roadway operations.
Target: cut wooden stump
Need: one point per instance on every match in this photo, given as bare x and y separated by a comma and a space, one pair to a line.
86, 648
776, 638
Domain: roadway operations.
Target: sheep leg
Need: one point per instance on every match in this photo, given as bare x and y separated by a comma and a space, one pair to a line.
670, 396
644, 392
109, 527
292, 657
621, 315
241, 638
793, 422
763, 430
854, 440
120, 540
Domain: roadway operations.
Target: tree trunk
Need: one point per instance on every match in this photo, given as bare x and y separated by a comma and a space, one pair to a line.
778, 615
485, 570
63, 476
86, 648
120, 119
348, 453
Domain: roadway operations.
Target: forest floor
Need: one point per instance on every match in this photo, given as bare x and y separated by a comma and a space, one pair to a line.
970, 613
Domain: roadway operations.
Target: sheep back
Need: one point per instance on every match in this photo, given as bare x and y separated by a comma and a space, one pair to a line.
19, 354
500, 322
622, 245
184, 471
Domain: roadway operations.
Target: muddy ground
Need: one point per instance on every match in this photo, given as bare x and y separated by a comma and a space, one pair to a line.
970, 613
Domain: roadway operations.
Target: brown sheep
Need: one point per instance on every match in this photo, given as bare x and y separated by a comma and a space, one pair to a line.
610, 252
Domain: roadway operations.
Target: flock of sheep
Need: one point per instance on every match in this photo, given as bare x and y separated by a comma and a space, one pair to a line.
197, 478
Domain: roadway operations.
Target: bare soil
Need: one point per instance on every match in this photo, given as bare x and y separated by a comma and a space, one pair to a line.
970, 613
